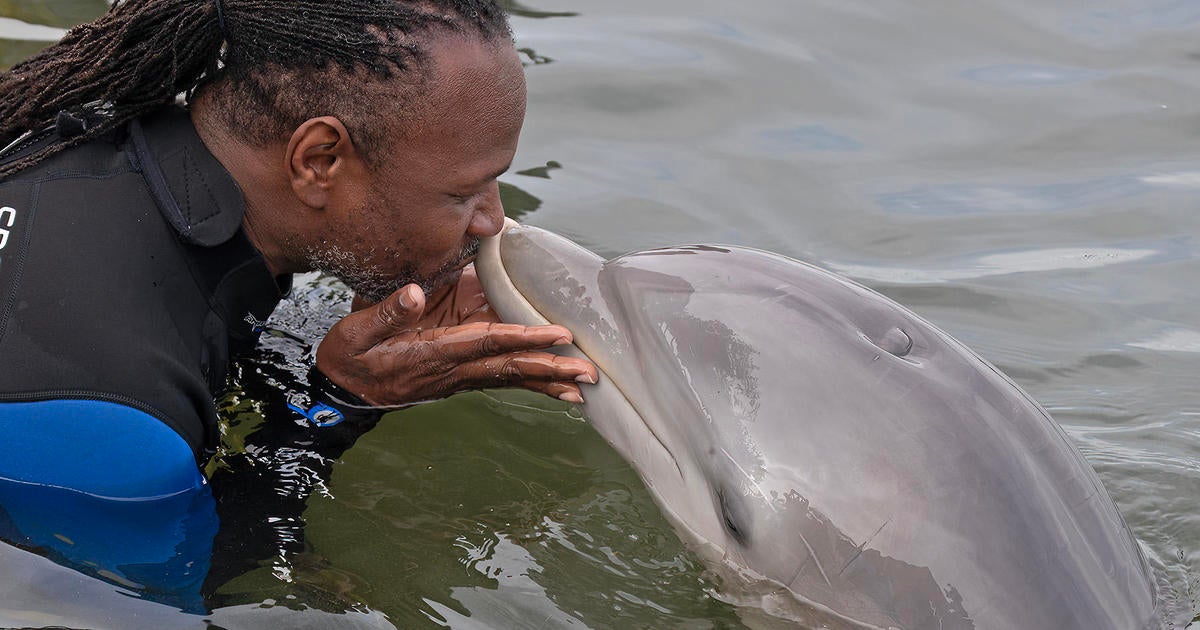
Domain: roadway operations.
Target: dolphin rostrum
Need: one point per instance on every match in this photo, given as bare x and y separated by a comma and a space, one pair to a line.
836, 460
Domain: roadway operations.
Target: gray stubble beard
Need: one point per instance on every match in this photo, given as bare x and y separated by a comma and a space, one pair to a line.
375, 284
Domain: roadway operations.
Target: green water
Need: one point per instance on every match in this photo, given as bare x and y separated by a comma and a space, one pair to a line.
1024, 174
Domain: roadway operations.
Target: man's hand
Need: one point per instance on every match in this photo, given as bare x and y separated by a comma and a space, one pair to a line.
407, 349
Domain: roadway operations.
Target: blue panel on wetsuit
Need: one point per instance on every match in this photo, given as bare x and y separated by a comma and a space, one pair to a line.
110, 491
100, 448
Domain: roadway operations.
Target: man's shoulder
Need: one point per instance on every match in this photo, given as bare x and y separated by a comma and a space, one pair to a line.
101, 305
96, 297
125, 271
101, 157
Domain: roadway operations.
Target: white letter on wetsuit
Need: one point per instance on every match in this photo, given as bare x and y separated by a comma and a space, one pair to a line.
8, 216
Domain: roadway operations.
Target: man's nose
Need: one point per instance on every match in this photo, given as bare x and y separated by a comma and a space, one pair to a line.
488, 218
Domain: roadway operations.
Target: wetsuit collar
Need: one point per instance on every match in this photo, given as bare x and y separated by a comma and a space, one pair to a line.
203, 203
197, 196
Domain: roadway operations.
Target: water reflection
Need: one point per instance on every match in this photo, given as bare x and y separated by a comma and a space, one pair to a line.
1173, 340
512, 599
516, 201
58, 13
17, 30
1156, 14
49, 596
997, 264
156, 547
1029, 74
27, 27
1179, 179
541, 171
805, 138
521, 9
1008, 198
532, 58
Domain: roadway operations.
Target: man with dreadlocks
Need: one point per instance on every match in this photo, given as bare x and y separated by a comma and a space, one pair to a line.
141, 243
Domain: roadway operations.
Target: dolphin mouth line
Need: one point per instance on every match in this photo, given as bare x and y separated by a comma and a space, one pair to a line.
641, 418
489, 250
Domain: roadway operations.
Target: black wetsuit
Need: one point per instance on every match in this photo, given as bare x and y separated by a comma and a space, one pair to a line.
126, 286
126, 277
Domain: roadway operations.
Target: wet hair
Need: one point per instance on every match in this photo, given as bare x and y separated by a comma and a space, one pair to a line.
267, 65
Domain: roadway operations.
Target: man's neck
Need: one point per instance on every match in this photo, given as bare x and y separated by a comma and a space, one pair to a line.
251, 168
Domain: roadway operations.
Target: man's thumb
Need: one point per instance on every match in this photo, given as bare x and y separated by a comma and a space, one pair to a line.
396, 313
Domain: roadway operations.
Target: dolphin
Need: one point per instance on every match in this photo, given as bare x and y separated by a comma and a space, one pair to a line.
836, 460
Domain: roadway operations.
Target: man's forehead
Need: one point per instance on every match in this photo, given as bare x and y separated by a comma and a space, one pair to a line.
462, 70
473, 99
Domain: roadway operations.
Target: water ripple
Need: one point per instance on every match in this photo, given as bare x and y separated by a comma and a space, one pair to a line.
1173, 340
1029, 74
17, 30
959, 199
805, 138
998, 264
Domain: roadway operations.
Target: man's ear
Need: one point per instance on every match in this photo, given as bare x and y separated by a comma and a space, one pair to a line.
320, 157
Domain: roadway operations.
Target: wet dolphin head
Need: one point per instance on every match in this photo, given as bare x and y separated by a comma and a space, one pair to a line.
833, 457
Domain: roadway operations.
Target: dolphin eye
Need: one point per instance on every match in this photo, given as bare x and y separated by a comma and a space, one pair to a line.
732, 517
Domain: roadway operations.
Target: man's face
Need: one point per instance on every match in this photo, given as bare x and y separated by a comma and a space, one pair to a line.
435, 193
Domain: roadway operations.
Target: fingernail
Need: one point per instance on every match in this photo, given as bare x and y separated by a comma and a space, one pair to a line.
562, 341
571, 397
406, 297
586, 378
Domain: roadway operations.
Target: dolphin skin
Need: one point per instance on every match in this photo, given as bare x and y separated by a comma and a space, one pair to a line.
835, 460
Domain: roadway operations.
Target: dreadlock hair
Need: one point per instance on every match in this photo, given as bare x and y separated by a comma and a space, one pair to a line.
268, 64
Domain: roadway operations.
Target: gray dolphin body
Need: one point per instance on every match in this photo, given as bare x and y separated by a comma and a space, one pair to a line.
834, 458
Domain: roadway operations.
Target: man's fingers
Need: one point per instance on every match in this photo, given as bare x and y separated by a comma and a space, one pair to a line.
474, 341
568, 392
523, 368
397, 312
